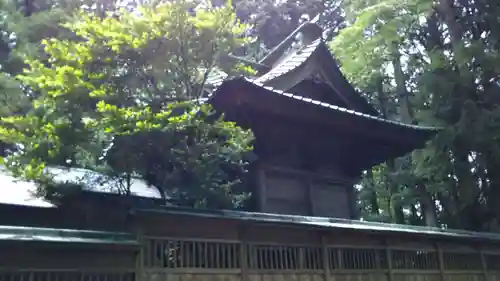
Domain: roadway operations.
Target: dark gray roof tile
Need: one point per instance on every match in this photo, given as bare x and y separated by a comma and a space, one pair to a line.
291, 62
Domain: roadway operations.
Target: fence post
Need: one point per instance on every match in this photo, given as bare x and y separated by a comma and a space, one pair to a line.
441, 262
326, 258
139, 270
243, 253
388, 257
484, 265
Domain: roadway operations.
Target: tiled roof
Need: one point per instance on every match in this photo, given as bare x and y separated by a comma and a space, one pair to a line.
326, 105
288, 64
278, 51
215, 78
298, 58
291, 62
20, 192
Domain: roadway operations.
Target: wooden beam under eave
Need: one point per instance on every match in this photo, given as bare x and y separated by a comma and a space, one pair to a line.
352, 151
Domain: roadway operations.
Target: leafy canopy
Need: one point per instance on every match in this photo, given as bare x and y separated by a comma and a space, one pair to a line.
128, 77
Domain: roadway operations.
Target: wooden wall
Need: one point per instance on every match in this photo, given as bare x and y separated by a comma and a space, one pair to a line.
43, 261
296, 192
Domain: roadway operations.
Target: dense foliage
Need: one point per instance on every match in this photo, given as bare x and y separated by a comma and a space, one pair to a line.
120, 94
433, 62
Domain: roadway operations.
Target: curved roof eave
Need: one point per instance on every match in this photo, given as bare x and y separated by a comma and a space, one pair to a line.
323, 104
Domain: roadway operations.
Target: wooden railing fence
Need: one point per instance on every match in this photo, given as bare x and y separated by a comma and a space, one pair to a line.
174, 259
212, 260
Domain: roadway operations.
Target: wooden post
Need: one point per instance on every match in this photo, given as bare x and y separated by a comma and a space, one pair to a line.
354, 213
378, 263
339, 261
302, 257
139, 271
262, 188
243, 253
310, 201
441, 262
388, 257
484, 265
326, 258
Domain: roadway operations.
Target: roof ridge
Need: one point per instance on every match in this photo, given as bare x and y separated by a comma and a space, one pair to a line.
280, 48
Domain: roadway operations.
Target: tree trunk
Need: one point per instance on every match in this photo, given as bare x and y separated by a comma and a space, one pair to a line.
28, 7
465, 91
405, 110
428, 206
407, 116
463, 193
374, 206
414, 217
395, 207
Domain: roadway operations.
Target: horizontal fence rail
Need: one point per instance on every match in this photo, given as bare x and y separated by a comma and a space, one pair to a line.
64, 275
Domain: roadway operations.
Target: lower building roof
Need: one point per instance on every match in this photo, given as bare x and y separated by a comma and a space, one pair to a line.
20, 192
55, 235
328, 223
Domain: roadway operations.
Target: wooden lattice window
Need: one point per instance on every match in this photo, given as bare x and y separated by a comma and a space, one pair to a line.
277, 257
171, 253
355, 258
492, 262
415, 259
462, 261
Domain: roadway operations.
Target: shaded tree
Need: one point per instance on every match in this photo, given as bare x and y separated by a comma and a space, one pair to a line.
134, 76
430, 58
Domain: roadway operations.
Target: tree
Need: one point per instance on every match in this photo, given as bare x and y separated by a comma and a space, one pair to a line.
432, 62
132, 81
